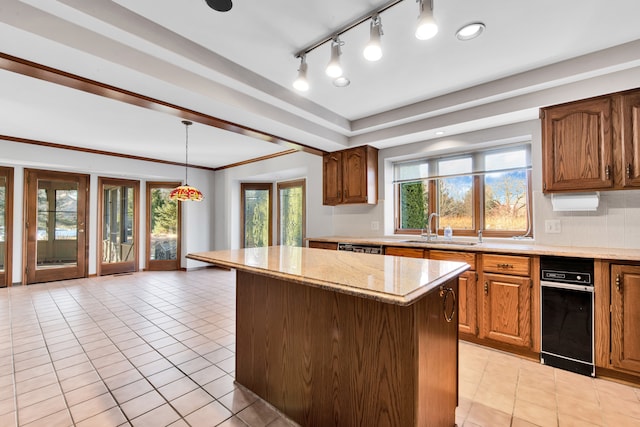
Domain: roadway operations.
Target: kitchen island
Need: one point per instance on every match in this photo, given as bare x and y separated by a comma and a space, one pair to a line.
345, 339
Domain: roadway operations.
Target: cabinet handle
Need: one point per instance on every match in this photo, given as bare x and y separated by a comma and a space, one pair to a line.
444, 294
618, 283
505, 266
486, 288
607, 172
629, 170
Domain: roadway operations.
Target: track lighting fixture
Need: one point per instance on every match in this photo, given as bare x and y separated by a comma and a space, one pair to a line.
334, 69
427, 27
301, 83
373, 50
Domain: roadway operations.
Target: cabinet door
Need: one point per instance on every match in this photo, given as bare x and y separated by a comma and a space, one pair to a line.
323, 245
506, 312
354, 175
332, 178
630, 156
467, 323
625, 317
577, 146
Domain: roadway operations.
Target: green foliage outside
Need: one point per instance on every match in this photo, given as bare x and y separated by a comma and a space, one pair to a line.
291, 216
413, 205
165, 213
256, 218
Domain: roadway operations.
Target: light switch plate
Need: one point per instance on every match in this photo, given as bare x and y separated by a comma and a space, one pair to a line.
552, 226
375, 225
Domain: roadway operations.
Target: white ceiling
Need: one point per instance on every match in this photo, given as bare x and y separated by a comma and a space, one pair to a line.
238, 66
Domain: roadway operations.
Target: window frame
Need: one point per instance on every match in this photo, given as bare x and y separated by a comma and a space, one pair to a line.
478, 195
244, 186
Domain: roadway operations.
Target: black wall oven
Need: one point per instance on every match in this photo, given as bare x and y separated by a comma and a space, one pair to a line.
567, 314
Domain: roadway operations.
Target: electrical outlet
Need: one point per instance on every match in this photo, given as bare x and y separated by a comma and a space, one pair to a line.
375, 225
552, 226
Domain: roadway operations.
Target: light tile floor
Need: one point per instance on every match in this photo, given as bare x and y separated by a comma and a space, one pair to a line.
157, 349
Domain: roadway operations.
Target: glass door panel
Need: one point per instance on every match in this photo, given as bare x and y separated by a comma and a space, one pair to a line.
163, 242
56, 239
291, 213
6, 211
256, 215
118, 226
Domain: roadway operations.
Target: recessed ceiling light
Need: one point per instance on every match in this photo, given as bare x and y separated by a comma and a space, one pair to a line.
470, 31
341, 81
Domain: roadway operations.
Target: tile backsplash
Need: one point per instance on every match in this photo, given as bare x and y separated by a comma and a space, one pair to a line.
615, 224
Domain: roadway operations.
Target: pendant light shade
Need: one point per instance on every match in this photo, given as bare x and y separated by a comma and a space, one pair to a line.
334, 69
185, 192
427, 27
373, 50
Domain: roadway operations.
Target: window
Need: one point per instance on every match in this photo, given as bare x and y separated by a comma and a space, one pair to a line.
256, 215
291, 213
485, 190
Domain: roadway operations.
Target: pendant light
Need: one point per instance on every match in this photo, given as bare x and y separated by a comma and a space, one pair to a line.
373, 50
185, 192
427, 27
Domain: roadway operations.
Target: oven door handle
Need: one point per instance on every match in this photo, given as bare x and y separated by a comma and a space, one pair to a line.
582, 288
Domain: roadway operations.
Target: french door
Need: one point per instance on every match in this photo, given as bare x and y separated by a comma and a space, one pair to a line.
163, 227
256, 214
119, 204
55, 225
6, 224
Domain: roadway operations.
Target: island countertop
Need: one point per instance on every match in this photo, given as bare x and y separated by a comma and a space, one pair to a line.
390, 279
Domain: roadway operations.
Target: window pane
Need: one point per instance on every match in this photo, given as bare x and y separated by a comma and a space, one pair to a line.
164, 225
505, 196
43, 214
291, 216
414, 199
66, 214
456, 166
509, 159
455, 202
256, 218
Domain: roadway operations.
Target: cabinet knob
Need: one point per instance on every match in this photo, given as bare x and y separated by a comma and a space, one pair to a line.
486, 288
618, 283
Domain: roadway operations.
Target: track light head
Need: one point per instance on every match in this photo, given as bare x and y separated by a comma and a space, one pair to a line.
427, 27
301, 83
373, 50
334, 69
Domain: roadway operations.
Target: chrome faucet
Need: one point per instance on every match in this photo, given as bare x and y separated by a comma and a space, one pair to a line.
429, 235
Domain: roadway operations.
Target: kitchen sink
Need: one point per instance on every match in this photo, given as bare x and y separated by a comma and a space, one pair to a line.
442, 242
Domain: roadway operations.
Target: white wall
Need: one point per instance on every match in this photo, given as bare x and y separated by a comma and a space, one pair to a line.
284, 168
21, 156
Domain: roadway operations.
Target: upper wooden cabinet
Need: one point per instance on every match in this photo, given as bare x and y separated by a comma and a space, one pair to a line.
350, 176
592, 144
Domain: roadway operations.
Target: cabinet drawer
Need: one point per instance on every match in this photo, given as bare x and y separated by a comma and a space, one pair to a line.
506, 264
408, 252
323, 245
469, 258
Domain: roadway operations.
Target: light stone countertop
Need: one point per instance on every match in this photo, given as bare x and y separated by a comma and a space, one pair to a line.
390, 279
503, 246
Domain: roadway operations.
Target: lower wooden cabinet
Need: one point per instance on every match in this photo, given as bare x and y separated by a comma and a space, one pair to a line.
625, 317
407, 252
506, 309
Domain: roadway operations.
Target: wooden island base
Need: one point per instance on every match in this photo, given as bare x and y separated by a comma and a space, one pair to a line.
326, 358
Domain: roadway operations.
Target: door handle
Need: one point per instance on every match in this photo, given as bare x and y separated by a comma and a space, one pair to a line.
444, 294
